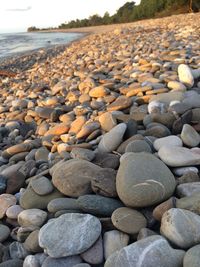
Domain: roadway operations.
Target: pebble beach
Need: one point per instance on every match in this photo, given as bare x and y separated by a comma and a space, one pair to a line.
100, 149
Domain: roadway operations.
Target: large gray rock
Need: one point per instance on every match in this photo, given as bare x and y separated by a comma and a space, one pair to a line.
192, 257
112, 139
143, 180
185, 75
181, 227
190, 136
151, 251
73, 178
70, 234
175, 156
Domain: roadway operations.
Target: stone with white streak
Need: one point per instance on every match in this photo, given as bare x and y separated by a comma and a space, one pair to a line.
149, 252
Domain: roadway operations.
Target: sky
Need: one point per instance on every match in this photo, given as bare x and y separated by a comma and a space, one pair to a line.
18, 15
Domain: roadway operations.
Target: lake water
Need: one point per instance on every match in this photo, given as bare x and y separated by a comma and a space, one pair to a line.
14, 43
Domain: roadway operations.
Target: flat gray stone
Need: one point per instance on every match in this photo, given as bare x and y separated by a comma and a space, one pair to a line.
181, 227
143, 180
128, 220
42, 186
98, 205
175, 156
113, 241
74, 235
190, 136
173, 140
111, 140
151, 251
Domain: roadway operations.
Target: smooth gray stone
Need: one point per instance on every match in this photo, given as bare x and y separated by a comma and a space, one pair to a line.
112, 139
172, 140
94, 255
75, 234
66, 203
42, 186
175, 156
98, 205
192, 257
138, 146
143, 180
128, 220
190, 136
181, 227
113, 241
4, 232
151, 251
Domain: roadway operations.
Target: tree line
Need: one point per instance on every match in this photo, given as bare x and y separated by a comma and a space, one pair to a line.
130, 12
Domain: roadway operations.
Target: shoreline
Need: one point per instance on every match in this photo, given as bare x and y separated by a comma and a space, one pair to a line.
100, 150
11, 62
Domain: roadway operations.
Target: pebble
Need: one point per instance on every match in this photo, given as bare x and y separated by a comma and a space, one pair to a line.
173, 140
185, 75
32, 217
98, 205
143, 180
75, 234
73, 178
139, 252
4, 232
107, 121
6, 200
94, 255
188, 189
189, 136
181, 227
192, 257
82, 153
112, 139
174, 156
42, 186
112, 126
113, 241
128, 220
62, 204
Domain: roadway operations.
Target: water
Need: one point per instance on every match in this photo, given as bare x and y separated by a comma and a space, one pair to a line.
16, 43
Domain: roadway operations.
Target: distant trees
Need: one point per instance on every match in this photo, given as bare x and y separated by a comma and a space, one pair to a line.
132, 12
32, 29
